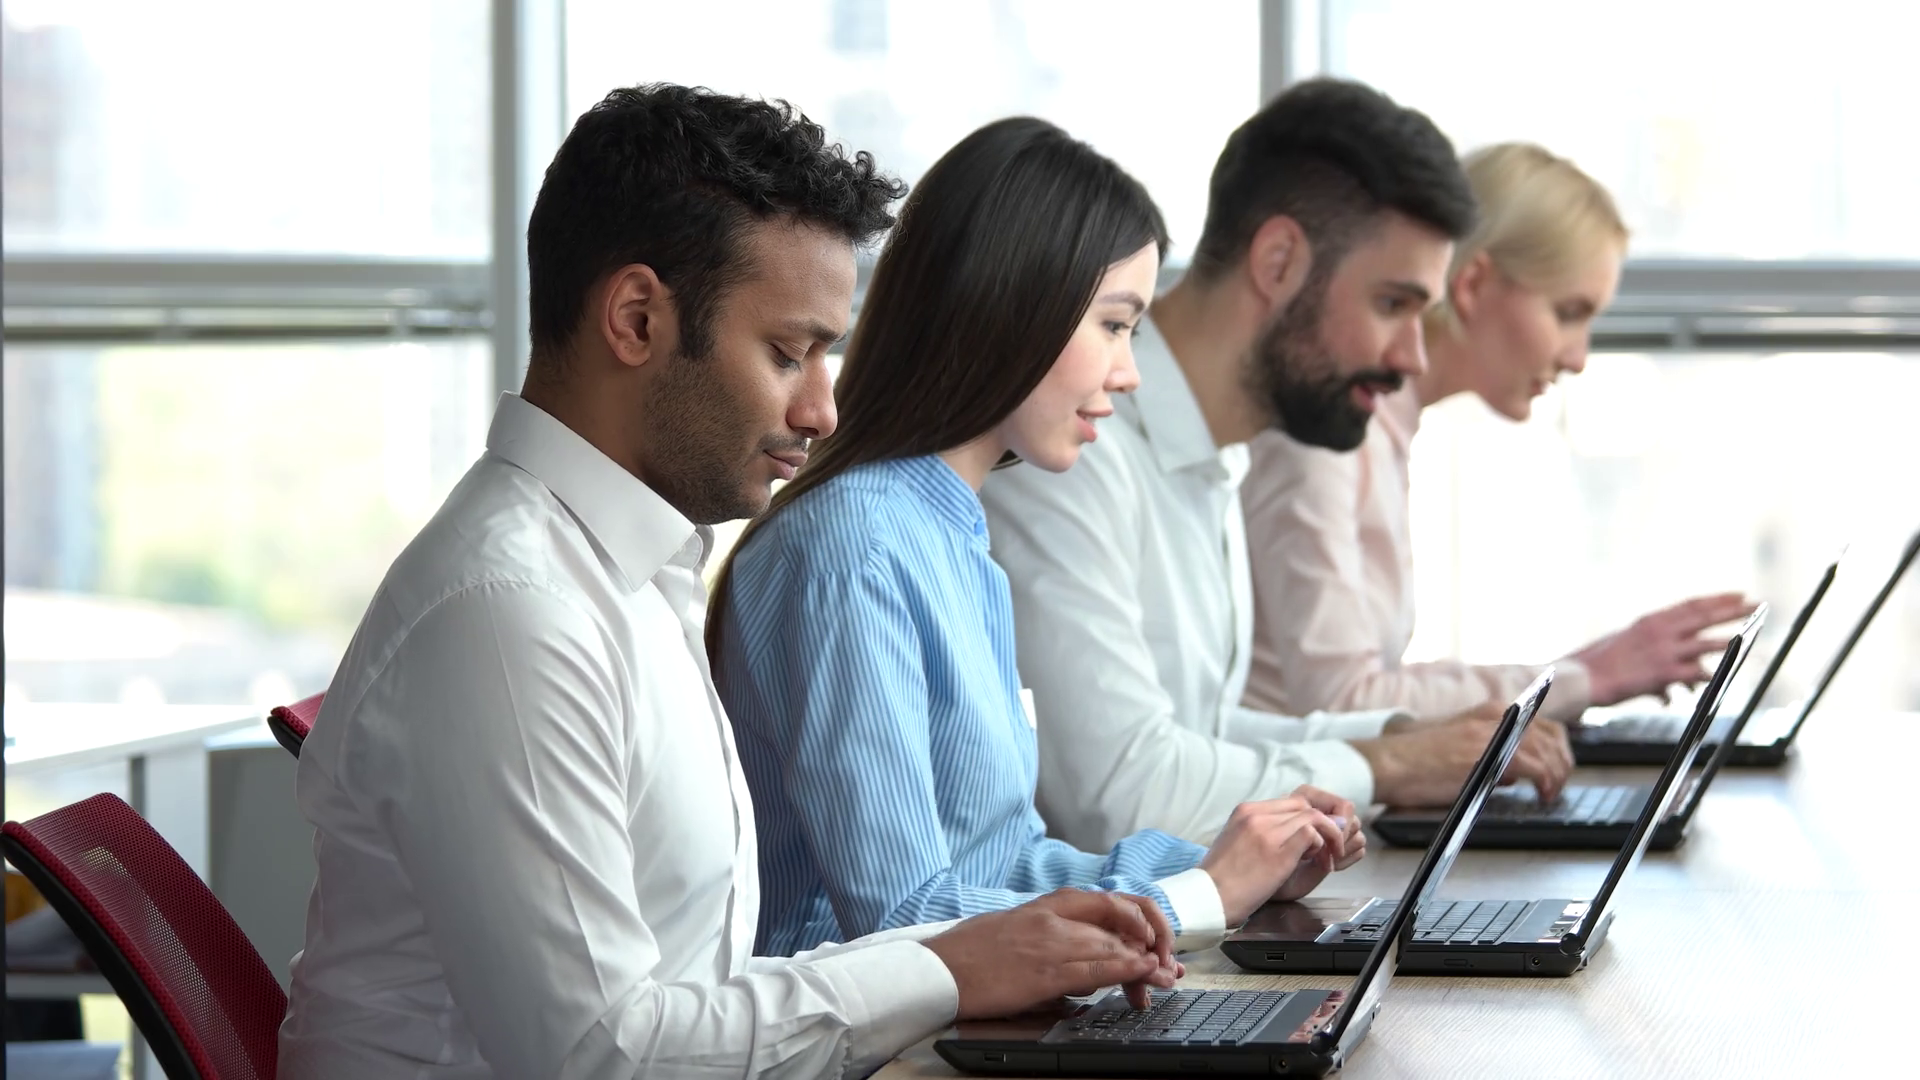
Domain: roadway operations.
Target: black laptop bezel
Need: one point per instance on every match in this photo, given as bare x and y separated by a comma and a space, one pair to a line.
1397, 934
1590, 927
1406, 828
1654, 810
1859, 630
1589, 751
1335, 1041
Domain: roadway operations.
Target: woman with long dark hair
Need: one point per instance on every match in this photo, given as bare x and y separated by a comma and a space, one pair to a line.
861, 635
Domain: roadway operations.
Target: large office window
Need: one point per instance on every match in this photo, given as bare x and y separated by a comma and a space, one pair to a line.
355, 126
1653, 477
205, 522
233, 383
1156, 91
1761, 129
1730, 133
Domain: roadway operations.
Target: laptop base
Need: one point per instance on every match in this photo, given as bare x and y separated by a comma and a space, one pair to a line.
1306, 938
1040, 1044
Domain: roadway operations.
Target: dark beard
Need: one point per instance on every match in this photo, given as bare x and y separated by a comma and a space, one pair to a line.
693, 446
1300, 382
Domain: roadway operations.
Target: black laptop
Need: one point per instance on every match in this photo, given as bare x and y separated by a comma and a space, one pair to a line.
1587, 816
1768, 739
1237, 1032
1469, 937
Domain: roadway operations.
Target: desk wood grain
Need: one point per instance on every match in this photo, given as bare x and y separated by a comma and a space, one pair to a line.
1772, 942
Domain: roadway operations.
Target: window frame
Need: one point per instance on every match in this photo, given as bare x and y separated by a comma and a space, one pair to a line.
1663, 304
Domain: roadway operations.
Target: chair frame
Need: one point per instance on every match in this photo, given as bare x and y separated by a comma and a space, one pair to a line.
284, 733
157, 1019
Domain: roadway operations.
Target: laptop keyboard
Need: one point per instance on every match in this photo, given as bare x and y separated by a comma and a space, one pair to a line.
1218, 1017
1576, 804
1445, 922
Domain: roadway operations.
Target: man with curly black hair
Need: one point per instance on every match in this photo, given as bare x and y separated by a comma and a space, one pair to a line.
536, 848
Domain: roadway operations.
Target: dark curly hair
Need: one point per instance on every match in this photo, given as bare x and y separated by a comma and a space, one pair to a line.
1331, 154
668, 176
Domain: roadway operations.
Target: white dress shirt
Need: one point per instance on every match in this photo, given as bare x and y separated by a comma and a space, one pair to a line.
1134, 613
536, 850
1333, 584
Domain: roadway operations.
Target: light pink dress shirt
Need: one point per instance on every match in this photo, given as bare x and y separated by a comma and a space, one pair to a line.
1332, 561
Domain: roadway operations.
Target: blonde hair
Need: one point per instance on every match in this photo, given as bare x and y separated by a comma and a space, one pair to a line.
1540, 217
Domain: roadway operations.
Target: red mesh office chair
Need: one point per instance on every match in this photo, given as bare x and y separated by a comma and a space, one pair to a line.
205, 1002
290, 723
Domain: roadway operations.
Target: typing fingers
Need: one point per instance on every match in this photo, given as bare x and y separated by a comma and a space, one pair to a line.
1356, 848
1327, 802
1128, 917
1091, 958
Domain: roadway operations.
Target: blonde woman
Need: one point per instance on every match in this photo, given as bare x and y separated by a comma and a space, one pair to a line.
1327, 531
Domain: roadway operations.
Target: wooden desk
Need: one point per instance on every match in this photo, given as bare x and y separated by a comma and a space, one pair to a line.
1772, 942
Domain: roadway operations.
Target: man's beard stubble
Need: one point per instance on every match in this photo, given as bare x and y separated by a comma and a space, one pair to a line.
1300, 382
696, 444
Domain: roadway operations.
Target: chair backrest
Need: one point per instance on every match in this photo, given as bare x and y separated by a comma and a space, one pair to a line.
291, 723
205, 1002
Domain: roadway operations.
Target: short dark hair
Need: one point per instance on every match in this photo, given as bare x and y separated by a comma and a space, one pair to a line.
1331, 154
668, 176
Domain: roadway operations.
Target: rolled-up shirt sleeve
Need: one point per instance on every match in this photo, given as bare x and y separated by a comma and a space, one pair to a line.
504, 793
1114, 758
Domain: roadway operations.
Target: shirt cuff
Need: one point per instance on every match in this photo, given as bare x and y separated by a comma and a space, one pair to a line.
1572, 692
897, 993
1249, 727
918, 932
1352, 725
1335, 766
1195, 900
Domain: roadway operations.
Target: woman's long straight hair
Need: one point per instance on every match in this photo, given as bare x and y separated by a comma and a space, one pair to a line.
991, 268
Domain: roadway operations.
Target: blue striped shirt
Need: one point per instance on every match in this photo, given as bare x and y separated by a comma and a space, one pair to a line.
867, 661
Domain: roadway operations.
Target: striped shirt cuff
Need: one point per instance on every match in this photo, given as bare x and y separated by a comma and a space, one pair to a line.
1195, 901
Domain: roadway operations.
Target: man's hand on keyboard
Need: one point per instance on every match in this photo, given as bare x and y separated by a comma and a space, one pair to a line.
1425, 765
1070, 941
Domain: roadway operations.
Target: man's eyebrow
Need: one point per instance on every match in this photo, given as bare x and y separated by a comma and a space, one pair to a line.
1412, 289
1124, 296
818, 331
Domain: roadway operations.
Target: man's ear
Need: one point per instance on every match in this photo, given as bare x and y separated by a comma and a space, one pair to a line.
1279, 260
636, 315
1470, 285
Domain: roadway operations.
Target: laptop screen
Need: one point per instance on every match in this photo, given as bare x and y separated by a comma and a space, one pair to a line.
1799, 624
1664, 789
1695, 789
1378, 970
1853, 636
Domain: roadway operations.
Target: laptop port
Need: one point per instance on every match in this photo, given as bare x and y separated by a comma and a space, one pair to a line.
993, 1056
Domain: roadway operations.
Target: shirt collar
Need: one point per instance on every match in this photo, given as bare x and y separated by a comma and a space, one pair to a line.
1167, 411
937, 485
640, 531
